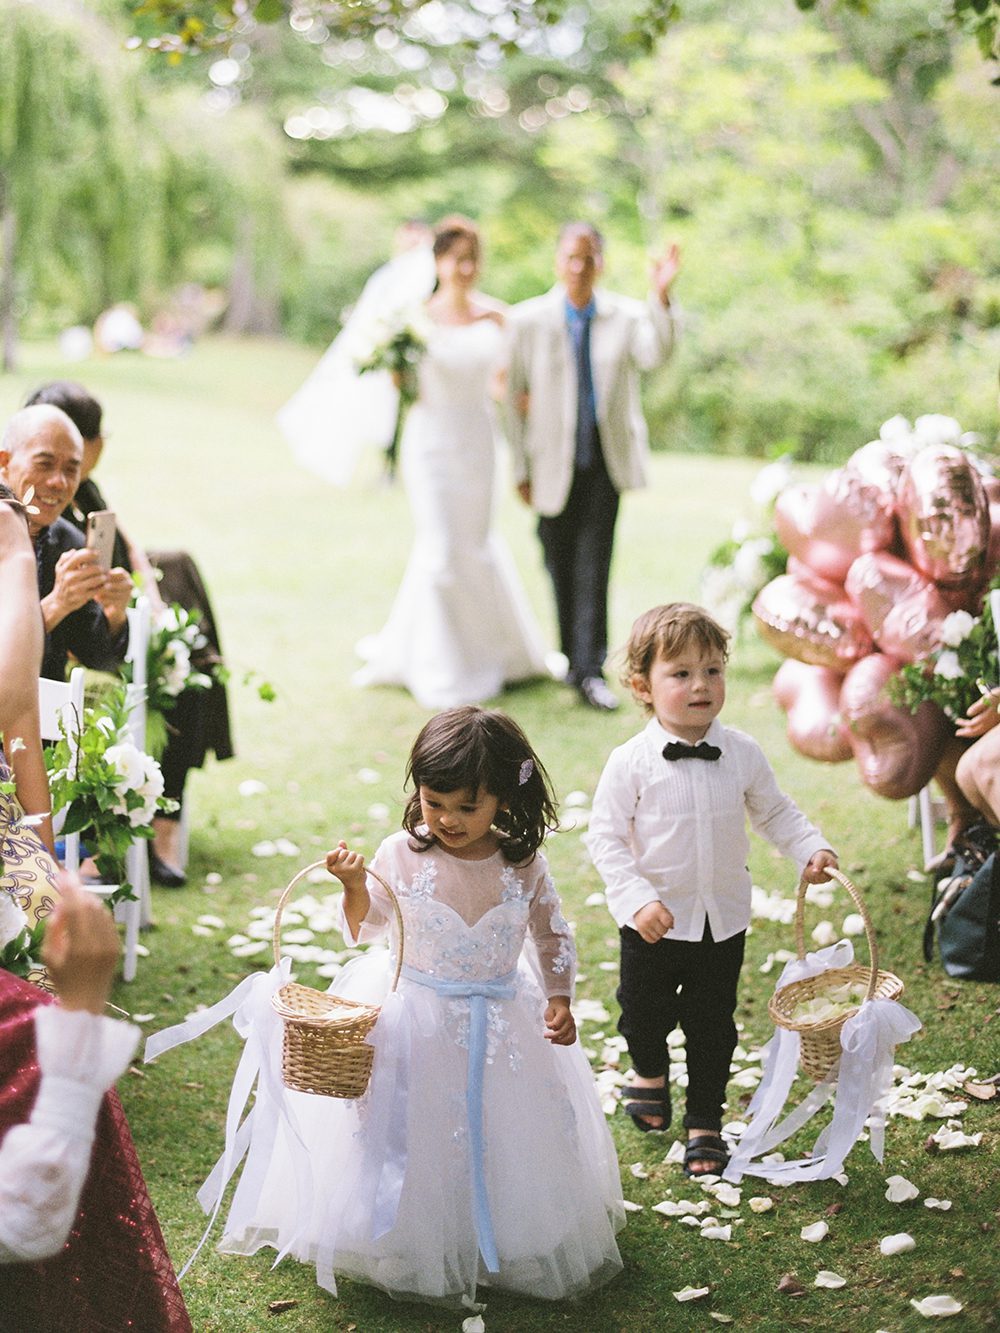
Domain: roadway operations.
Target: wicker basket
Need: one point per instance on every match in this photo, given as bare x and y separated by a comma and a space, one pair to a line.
820, 1041
323, 1047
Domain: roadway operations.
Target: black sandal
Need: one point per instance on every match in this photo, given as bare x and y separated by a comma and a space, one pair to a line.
706, 1148
640, 1102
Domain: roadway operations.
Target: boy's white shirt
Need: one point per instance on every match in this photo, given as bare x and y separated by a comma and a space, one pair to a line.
675, 832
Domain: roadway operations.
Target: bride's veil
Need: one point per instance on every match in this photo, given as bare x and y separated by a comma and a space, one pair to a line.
337, 413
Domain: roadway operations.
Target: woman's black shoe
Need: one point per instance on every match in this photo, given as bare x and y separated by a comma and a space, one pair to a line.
165, 875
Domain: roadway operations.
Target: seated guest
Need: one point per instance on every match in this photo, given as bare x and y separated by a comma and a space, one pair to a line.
80, 1246
27, 869
199, 720
83, 606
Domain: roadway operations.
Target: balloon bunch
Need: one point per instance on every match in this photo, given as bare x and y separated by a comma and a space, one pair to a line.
880, 552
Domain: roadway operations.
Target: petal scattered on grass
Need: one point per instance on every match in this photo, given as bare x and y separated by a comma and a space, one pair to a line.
264, 849
474, 1324
900, 1190
940, 1307
717, 1233
639, 1171
202, 930
595, 900
721, 1318
815, 1233
213, 877
901, 1243
941, 1205
726, 1194
251, 787
215, 921
761, 1204
948, 1140
832, 1281
691, 1293
631, 1207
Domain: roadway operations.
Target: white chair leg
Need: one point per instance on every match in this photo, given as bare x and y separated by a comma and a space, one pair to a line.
183, 845
912, 812
927, 832
129, 913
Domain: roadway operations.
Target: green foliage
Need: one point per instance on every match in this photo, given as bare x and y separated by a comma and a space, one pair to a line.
954, 676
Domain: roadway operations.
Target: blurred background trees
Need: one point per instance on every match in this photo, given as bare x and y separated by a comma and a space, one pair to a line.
831, 176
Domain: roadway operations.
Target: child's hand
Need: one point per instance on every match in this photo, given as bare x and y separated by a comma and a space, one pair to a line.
560, 1025
347, 866
81, 947
653, 921
815, 869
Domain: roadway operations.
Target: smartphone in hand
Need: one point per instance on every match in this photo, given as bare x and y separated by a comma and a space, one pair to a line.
101, 535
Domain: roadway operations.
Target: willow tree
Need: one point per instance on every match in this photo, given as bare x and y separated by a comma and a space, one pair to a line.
70, 165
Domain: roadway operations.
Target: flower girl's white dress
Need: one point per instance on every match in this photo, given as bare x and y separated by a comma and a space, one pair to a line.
480, 1153
460, 626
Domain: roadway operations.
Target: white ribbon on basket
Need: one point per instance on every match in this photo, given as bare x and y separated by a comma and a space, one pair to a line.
860, 1083
257, 1023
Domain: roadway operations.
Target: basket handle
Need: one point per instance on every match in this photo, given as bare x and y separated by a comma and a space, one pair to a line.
800, 934
318, 865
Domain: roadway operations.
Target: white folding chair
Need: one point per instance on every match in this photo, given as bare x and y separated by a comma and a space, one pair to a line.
58, 699
137, 913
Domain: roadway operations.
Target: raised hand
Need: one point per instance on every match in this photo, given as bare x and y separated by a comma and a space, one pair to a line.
663, 272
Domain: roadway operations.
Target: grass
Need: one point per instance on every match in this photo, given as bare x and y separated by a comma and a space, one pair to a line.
299, 571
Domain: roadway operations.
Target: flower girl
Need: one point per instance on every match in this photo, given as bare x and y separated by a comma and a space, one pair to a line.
479, 1153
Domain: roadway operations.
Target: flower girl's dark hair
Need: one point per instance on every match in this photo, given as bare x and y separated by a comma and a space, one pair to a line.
471, 748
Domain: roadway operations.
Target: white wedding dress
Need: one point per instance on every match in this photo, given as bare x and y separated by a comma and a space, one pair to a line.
460, 627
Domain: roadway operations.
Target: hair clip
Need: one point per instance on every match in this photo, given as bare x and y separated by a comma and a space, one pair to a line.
525, 772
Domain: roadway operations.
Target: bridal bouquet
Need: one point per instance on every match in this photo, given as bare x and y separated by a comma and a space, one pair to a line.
960, 671
109, 787
395, 345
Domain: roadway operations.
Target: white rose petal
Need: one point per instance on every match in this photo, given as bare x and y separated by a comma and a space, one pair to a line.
675, 1153
631, 1207
285, 847
202, 930
474, 1324
948, 1140
728, 1195
368, 776
721, 1318
824, 934
900, 1190
853, 924
378, 811
251, 787
901, 1243
595, 900
215, 921
691, 1293
590, 1011
816, 1232
265, 848
143, 1018
213, 877
824, 1278
941, 1205
717, 1232
761, 1204
937, 1307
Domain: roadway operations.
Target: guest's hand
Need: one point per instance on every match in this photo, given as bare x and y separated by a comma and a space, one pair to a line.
524, 491
816, 867
653, 921
664, 271
981, 717
116, 595
560, 1025
79, 579
80, 948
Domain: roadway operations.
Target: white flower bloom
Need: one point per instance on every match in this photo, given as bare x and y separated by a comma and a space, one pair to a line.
901, 1243
832, 1281
940, 1307
816, 1232
937, 429
12, 919
955, 628
691, 1293
948, 666
748, 563
771, 480
900, 1190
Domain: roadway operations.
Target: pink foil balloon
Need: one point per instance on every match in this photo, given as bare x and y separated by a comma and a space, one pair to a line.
880, 463
810, 697
830, 525
902, 609
896, 751
944, 516
811, 619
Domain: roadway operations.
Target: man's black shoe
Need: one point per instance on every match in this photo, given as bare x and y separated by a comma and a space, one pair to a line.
595, 693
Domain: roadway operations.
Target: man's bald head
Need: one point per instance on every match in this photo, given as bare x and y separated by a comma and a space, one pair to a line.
43, 450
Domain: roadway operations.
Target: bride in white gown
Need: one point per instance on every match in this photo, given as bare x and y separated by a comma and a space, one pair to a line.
460, 626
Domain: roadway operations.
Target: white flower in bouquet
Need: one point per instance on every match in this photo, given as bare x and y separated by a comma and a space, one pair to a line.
934, 428
12, 919
948, 666
748, 563
139, 773
177, 664
771, 480
955, 628
896, 430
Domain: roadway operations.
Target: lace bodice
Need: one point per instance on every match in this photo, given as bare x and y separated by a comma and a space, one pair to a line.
470, 920
455, 371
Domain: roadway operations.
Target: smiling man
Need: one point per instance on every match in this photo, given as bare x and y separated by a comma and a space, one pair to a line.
83, 606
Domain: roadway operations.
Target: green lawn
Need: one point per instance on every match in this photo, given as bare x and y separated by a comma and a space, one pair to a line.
299, 571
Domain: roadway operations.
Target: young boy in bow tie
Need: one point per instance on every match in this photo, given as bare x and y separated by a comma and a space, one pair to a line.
668, 835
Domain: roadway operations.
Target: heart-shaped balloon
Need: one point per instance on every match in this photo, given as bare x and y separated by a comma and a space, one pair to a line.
944, 515
830, 525
809, 618
810, 697
897, 751
902, 609
880, 463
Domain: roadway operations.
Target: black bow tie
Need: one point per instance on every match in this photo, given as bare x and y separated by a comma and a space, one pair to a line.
678, 750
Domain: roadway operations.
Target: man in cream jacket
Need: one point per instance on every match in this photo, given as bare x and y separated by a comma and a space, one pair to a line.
577, 431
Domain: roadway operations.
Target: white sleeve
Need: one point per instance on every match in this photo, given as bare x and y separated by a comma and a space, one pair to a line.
44, 1163
609, 841
552, 938
655, 333
776, 817
516, 387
